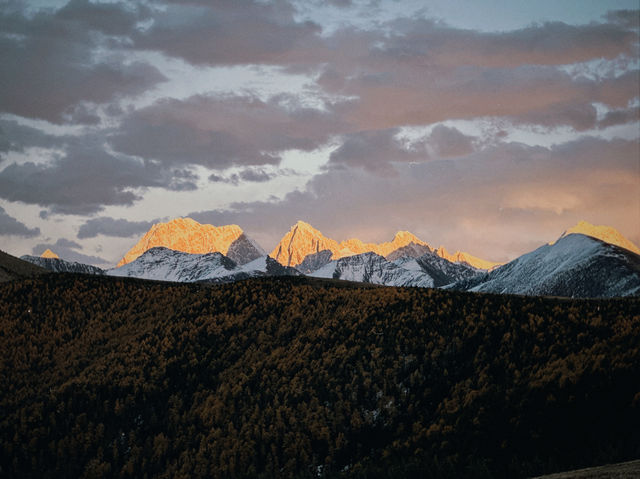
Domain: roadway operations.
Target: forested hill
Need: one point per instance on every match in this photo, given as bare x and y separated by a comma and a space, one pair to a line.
110, 377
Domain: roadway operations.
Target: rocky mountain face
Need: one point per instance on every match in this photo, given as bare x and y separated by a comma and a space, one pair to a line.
244, 250
576, 265
315, 261
58, 265
412, 250
442, 271
164, 264
303, 240
189, 236
374, 269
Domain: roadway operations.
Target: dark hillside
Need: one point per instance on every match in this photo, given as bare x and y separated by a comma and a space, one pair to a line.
14, 268
112, 377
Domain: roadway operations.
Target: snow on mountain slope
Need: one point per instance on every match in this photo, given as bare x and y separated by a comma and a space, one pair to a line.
574, 266
61, 266
163, 264
412, 250
607, 234
267, 266
374, 269
443, 271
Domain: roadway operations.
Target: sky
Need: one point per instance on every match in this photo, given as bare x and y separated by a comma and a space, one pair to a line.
485, 126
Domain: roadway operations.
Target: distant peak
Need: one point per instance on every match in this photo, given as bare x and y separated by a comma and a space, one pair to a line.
404, 235
608, 234
303, 225
49, 254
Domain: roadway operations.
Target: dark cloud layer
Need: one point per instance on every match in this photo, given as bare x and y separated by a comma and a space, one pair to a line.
11, 226
374, 151
224, 32
119, 228
48, 65
223, 131
86, 179
251, 175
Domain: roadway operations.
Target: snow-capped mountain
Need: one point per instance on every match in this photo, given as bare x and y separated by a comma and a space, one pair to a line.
442, 271
60, 265
189, 236
374, 269
164, 264
574, 266
607, 234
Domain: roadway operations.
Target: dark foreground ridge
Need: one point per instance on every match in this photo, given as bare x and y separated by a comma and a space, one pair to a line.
113, 377
624, 470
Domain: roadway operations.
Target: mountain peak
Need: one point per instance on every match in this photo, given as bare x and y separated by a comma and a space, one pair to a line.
49, 254
301, 240
607, 234
304, 226
188, 236
405, 237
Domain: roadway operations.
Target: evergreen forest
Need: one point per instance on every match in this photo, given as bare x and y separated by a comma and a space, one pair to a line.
106, 377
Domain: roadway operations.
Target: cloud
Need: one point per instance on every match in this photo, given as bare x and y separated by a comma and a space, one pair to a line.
620, 117
421, 72
627, 18
223, 131
17, 137
497, 203
86, 178
549, 43
119, 228
227, 32
374, 151
11, 226
450, 142
68, 250
252, 175
49, 68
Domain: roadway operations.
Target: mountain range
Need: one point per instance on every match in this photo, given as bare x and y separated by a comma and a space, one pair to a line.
303, 240
586, 261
